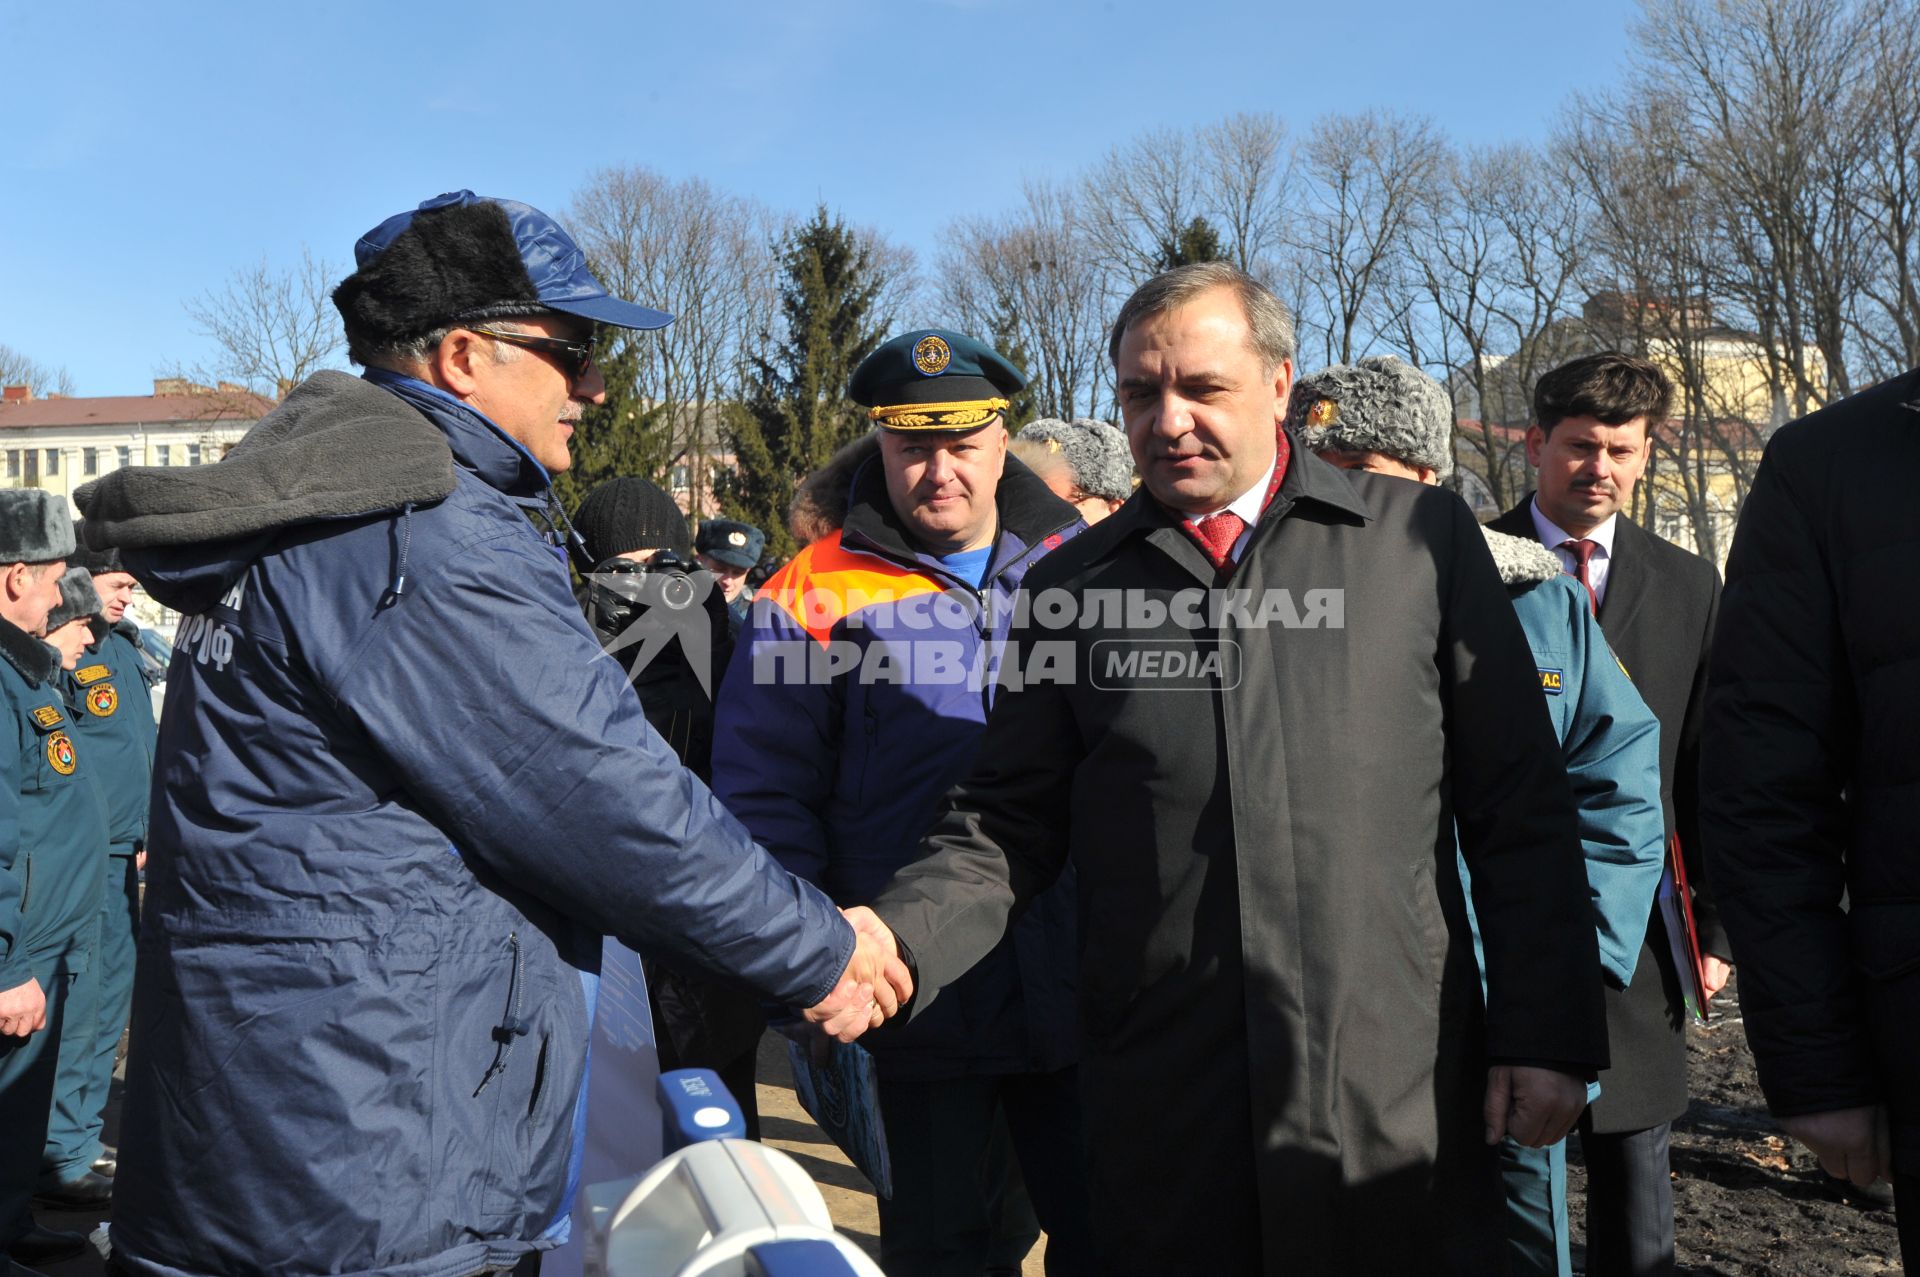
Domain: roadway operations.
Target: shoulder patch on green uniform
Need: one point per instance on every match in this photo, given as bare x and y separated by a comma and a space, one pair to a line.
1550, 681
48, 716
91, 674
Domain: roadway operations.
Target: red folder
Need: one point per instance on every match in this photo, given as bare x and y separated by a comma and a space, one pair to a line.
1683, 937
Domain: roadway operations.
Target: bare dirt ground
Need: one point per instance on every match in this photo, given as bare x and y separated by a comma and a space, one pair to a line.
1748, 1203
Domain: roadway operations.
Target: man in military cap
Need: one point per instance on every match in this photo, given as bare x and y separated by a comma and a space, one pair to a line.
837, 766
52, 834
729, 549
113, 720
1084, 461
400, 800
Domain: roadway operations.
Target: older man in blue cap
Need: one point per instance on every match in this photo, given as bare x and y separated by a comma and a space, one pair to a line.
401, 800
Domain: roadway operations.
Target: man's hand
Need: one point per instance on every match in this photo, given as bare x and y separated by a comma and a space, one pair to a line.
23, 1010
1537, 1107
1714, 973
1852, 1144
873, 985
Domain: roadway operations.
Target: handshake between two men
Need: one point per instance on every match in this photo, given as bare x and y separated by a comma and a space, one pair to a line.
875, 986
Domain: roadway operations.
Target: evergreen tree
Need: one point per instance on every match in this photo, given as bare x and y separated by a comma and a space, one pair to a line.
795, 412
1196, 242
1004, 331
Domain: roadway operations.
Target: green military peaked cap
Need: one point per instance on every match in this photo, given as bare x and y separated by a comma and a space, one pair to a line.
932, 379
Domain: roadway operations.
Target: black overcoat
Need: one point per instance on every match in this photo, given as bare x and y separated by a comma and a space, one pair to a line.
1659, 617
1811, 762
1285, 1041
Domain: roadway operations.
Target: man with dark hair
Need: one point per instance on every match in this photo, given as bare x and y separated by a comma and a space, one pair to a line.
1808, 765
402, 797
1276, 691
1656, 603
1384, 415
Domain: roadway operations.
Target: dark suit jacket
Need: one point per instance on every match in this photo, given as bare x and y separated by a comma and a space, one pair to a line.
1659, 612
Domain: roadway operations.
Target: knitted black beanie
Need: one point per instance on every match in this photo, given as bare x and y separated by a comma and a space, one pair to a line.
631, 514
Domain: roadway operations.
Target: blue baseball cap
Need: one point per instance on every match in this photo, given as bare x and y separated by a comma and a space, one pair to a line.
454, 267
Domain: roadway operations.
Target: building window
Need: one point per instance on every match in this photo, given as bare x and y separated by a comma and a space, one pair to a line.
13, 463
90, 461
53, 461
162, 454
193, 454
122, 457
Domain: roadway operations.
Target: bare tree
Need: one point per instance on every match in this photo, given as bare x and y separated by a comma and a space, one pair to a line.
702, 256
1367, 177
1030, 280
1886, 196
17, 369
1762, 92
274, 328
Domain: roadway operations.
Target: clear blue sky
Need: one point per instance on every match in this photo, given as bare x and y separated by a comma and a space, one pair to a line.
151, 149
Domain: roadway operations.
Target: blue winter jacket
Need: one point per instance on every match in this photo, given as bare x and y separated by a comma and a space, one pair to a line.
839, 772
399, 796
1611, 742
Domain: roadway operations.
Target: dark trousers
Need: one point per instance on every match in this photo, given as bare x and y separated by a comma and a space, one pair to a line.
27, 1069
1629, 1201
940, 1221
1906, 1216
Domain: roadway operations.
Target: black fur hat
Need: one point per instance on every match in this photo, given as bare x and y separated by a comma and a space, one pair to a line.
458, 263
94, 561
78, 599
34, 526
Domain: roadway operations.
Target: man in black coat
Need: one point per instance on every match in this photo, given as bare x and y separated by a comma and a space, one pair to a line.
1656, 604
1252, 706
1810, 779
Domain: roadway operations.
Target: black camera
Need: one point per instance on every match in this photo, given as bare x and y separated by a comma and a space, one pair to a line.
620, 590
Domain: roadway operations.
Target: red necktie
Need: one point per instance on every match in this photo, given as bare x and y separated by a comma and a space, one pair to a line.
1582, 550
1217, 534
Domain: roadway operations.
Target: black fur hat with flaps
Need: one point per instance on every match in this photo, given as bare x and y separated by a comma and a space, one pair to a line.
34, 526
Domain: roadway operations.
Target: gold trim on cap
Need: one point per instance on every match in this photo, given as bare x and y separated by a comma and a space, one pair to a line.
938, 416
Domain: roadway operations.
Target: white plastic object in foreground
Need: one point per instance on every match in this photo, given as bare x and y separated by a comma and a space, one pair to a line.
698, 1212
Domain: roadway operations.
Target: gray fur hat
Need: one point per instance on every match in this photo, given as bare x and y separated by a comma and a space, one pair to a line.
1380, 404
77, 599
1095, 451
34, 526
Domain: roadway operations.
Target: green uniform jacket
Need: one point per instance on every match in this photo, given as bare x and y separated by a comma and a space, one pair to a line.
113, 716
52, 823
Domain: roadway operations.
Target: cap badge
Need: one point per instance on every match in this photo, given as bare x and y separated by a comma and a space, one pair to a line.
931, 355
1323, 413
736, 538
60, 753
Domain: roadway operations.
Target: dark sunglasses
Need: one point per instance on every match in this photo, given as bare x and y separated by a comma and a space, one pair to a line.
575, 357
